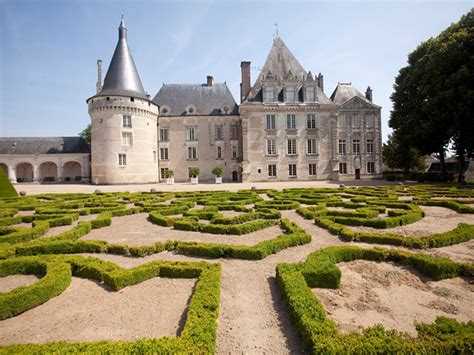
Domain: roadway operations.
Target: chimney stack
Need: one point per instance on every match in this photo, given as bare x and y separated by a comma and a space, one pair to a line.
99, 76
210, 79
245, 83
368, 93
321, 81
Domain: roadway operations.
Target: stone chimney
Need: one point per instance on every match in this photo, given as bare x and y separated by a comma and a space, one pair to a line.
321, 81
245, 83
100, 83
210, 79
368, 94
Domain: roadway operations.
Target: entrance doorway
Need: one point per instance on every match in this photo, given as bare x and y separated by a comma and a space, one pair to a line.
235, 176
357, 174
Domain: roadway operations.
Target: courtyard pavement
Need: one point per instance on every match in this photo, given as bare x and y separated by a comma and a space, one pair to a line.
33, 189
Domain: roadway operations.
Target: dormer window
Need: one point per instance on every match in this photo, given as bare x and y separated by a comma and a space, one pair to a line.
309, 94
290, 94
270, 75
165, 110
269, 94
191, 110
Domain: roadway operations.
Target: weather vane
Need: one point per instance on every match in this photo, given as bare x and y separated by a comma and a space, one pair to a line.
276, 28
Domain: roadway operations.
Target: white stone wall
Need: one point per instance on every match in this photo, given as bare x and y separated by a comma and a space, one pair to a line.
107, 128
254, 137
34, 166
205, 143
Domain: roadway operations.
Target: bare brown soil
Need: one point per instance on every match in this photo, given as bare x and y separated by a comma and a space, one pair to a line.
137, 230
88, 311
436, 220
394, 296
11, 282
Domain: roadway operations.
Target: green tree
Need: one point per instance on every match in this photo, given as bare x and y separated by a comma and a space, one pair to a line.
86, 134
399, 155
434, 95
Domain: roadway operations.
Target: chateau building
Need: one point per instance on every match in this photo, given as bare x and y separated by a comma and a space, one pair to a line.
285, 128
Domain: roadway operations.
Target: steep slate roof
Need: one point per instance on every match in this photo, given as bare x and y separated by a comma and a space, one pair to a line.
346, 91
122, 77
279, 62
43, 145
208, 100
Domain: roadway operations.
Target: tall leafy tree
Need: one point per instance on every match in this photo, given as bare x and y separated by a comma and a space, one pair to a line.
86, 134
433, 96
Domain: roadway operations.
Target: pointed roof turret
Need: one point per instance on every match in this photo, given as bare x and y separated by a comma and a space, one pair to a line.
280, 61
122, 77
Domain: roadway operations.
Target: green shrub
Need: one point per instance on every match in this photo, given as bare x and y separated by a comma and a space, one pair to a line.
6, 188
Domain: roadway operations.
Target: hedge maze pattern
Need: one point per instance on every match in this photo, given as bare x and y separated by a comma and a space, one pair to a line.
27, 250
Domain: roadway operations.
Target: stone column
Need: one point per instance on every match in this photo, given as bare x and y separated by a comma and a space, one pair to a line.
60, 170
36, 173
12, 174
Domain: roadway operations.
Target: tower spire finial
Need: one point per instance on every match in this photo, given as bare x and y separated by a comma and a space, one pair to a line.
276, 29
122, 21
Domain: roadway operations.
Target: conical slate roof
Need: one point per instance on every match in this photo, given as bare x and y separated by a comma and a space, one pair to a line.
122, 77
279, 62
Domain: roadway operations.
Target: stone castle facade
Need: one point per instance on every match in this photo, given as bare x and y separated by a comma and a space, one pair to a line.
285, 128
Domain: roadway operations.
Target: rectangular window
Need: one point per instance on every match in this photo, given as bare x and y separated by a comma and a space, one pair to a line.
127, 138
290, 121
355, 121
356, 146
271, 147
219, 152
269, 94
311, 121
312, 169
235, 154
191, 134
290, 94
272, 170
342, 168
192, 153
291, 147
370, 167
127, 121
342, 120
271, 123
311, 146
310, 94
164, 134
370, 146
122, 159
219, 133
163, 173
292, 170
370, 120
164, 154
342, 147
233, 132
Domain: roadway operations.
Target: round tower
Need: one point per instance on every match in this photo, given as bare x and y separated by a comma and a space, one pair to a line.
124, 123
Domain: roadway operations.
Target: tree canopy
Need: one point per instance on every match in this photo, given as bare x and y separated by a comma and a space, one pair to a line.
86, 134
434, 94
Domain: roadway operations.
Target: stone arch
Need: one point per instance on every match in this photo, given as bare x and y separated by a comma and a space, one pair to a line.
72, 171
4, 167
24, 172
48, 171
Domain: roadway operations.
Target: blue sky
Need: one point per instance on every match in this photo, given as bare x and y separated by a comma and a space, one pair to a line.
49, 48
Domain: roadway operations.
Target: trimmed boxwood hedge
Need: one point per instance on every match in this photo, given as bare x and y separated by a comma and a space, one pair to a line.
320, 334
199, 332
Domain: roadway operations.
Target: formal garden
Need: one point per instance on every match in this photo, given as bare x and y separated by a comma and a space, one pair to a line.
333, 270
